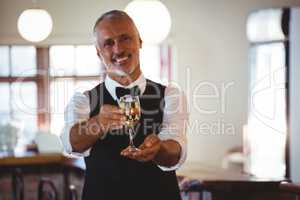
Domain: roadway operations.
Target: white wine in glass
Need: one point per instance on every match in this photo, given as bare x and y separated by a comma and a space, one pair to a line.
132, 109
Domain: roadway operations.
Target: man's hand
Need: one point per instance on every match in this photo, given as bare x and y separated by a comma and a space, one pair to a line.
110, 117
148, 149
83, 135
162, 152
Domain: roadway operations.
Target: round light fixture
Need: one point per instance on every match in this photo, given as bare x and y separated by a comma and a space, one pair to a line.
152, 19
35, 25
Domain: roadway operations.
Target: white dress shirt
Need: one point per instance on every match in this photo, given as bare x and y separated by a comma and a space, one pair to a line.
174, 119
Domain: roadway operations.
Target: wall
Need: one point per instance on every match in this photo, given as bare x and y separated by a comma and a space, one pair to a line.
211, 47
211, 42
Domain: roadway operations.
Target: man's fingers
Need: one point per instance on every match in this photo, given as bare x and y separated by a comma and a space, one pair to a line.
146, 154
111, 109
116, 124
143, 155
114, 116
150, 141
149, 152
127, 153
148, 149
107, 124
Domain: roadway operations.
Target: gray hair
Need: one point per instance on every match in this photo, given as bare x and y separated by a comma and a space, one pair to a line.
113, 14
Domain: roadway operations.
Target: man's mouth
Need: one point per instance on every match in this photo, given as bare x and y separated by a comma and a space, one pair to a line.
121, 60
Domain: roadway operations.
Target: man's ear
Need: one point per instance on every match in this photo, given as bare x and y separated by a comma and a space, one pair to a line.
141, 42
98, 53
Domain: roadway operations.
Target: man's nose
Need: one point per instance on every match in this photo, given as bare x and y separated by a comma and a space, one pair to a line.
118, 48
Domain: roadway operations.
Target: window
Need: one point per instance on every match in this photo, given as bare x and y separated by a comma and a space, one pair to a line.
156, 62
267, 111
18, 78
73, 69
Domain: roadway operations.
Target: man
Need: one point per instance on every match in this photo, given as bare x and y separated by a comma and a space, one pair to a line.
95, 124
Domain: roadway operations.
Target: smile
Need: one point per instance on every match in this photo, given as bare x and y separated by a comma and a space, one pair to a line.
121, 60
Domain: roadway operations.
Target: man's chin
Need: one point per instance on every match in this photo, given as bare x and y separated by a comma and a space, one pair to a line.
123, 80
116, 71
120, 70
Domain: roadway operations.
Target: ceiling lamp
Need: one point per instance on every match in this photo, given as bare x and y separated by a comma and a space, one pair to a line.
152, 19
35, 25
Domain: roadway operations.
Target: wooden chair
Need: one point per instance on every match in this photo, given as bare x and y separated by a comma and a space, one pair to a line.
17, 185
72, 193
47, 190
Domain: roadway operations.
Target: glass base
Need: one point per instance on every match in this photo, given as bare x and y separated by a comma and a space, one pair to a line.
133, 149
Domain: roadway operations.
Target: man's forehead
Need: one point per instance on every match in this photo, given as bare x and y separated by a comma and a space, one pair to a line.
115, 20
112, 27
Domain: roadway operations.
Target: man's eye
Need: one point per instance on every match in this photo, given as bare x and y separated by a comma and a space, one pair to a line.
109, 43
125, 38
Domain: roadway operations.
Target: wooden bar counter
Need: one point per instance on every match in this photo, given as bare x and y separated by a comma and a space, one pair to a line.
32, 166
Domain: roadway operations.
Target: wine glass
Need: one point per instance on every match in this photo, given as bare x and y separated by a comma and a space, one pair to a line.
132, 109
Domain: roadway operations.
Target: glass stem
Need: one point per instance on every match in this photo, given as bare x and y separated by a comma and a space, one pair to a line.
131, 138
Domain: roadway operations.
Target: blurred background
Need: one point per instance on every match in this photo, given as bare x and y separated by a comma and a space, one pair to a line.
208, 53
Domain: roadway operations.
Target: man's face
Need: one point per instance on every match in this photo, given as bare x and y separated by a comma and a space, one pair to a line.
118, 45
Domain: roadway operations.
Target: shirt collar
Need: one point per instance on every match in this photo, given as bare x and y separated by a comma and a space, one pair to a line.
111, 85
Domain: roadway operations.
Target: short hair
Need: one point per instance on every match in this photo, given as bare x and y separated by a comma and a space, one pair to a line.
110, 15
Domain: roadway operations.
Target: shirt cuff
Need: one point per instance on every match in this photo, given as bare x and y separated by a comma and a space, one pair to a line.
183, 153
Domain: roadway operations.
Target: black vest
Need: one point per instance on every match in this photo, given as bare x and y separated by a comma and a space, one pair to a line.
110, 176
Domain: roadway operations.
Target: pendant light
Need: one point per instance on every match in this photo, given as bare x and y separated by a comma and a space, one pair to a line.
152, 19
35, 24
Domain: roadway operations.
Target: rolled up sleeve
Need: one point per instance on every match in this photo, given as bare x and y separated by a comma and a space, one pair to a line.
77, 110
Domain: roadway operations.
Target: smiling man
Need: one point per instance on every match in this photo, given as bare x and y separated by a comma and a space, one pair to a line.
94, 125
